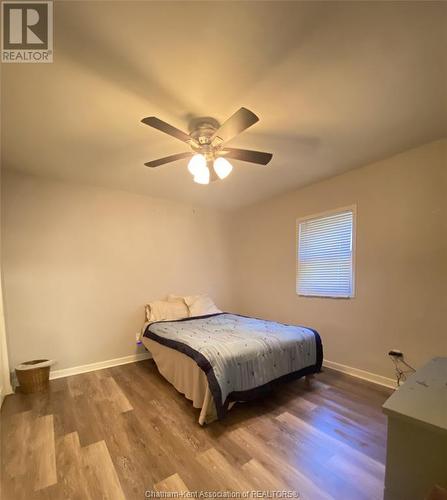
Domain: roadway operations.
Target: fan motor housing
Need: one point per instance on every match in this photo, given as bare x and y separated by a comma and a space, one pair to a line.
201, 129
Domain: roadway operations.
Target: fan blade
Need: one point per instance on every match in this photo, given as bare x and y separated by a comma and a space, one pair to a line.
247, 155
167, 159
241, 120
154, 122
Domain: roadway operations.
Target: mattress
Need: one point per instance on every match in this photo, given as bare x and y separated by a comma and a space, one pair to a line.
218, 359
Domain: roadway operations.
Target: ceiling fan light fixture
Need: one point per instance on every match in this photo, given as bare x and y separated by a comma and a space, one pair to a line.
207, 139
222, 167
202, 176
197, 165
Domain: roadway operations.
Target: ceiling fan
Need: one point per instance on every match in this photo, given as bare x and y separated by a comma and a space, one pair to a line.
207, 139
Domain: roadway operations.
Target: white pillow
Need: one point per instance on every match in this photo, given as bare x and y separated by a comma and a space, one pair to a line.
164, 310
173, 298
200, 305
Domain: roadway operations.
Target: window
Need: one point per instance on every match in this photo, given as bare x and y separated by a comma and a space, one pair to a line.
326, 254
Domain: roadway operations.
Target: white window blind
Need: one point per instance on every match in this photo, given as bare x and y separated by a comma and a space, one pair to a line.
325, 255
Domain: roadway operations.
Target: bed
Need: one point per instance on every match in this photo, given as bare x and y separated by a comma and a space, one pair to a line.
218, 359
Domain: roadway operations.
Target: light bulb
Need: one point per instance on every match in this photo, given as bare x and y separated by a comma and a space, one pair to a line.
197, 164
202, 176
222, 167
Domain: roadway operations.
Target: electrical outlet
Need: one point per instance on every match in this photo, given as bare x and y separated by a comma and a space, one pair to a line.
395, 353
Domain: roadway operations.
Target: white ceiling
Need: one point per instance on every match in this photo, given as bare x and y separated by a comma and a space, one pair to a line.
336, 85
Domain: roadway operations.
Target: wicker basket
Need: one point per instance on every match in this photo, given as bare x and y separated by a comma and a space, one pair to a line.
33, 379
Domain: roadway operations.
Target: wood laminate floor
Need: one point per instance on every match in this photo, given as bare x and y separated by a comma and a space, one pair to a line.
120, 432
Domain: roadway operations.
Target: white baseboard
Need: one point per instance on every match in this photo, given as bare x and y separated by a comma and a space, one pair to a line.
349, 370
364, 375
100, 365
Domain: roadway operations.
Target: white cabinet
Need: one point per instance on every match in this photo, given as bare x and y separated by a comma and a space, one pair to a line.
417, 434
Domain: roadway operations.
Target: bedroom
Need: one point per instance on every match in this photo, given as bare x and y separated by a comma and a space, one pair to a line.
104, 259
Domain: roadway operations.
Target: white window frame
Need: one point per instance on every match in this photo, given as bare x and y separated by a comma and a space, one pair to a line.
353, 209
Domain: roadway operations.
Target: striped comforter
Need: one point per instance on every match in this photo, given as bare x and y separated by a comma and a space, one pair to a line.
241, 356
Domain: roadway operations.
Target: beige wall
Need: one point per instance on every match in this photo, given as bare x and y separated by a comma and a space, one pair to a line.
80, 262
401, 279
